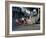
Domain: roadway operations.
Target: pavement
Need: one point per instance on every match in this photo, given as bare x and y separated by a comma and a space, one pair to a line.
26, 27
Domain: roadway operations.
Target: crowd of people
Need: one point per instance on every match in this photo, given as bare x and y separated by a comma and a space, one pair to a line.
24, 16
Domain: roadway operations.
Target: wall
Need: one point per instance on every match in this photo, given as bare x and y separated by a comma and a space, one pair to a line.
2, 18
